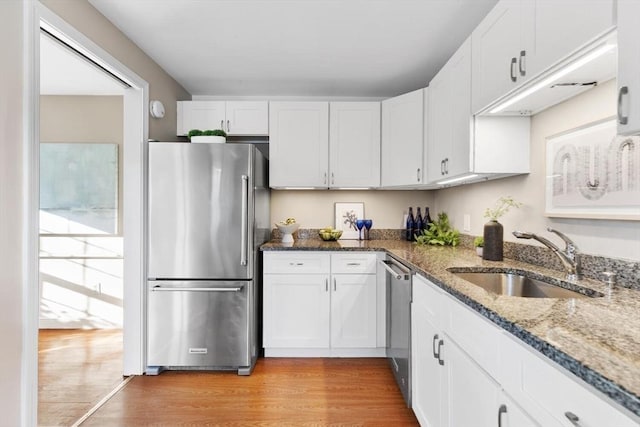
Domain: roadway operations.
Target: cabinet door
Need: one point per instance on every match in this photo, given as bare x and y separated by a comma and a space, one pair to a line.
247, 118
450, 117
353, 311
510, 414
296, 310
426, 372
401, 155
440, 127
201, 115
562, 26
472, 397
299, 144
354, 144
459, 77
496, 42
628, 67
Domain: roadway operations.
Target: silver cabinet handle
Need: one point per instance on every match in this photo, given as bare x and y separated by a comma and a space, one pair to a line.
418, 174
353, 263
575, 420
446, 166
512, 71
245, 220
159, 288
325, 178
441, 167
296, 263
228, 127
335, 285
622, 119
440, 360
326, 285
501, 410
522, 65
333, 179
433, 347
221, 124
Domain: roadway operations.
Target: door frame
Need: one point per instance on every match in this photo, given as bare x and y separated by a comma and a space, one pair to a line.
135, 136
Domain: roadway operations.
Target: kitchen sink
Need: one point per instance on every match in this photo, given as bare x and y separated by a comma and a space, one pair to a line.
520, 285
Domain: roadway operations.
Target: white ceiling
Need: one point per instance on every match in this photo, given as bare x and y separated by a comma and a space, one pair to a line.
63, 72
298, 47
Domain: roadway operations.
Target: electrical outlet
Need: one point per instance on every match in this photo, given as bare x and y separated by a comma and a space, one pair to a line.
467, 223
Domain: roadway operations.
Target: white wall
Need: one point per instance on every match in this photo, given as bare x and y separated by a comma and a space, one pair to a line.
315, 209
11, 213
617, 239
81, 292
85, 18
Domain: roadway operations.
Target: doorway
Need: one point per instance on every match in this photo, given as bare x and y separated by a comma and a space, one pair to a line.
134, 100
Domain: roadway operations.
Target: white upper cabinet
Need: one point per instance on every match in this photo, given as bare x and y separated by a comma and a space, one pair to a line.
354, 144
324, 145
200, 115
402, 142
299, 144
502, 46
562, 26
449, 118
234, 117
520, 39
247, 118
460, 145
628, 67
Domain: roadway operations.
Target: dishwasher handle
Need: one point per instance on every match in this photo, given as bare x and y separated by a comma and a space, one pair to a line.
159, 288
389, 264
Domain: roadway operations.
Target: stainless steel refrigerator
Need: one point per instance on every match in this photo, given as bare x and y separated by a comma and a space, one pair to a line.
208, 213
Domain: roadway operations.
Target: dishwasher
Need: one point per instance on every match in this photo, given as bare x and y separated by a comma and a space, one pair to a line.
398, 351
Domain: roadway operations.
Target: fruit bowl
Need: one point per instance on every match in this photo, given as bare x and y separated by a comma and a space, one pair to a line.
286, 230
330, 235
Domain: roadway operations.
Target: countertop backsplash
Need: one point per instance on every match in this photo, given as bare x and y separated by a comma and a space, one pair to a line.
627, 271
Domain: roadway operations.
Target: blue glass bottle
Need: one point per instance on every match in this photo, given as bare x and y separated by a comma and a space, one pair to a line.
410, 226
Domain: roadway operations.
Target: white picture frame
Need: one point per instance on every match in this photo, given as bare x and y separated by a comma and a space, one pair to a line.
591, 172
346, 215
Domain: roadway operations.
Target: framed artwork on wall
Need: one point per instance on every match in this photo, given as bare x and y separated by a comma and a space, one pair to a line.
346, 215
591, 172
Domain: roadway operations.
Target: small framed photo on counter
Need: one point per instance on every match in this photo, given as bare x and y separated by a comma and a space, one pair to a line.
346, 215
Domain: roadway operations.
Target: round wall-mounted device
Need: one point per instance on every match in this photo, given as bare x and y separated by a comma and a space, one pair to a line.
156, 109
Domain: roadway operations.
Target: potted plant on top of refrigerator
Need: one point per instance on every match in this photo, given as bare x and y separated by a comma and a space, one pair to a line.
215, 135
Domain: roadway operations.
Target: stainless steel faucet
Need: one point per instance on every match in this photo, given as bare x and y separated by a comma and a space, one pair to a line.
570, 257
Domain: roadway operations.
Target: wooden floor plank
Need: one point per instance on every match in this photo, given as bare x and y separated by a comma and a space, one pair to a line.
76, 369
280, 392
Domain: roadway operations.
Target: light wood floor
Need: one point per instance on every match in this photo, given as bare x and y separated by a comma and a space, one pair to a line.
280, 392
79, 367
76, 369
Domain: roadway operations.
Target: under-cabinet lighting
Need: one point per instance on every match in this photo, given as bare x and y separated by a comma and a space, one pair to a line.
460, 178
555, 76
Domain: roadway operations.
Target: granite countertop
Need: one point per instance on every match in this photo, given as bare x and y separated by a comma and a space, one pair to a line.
597, 339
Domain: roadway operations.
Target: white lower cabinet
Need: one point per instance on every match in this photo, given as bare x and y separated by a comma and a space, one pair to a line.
296, 310
449, 388
469, 372
321, 304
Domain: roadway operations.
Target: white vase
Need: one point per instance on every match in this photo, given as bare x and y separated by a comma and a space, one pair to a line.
479, 251
209, 139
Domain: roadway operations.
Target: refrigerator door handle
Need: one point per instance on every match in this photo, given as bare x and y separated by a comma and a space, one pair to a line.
158, 288
245, 220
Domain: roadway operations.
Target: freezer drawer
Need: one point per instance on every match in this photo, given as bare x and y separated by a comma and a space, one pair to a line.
199, 324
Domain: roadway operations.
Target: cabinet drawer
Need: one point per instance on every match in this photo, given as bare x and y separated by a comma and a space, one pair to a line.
296, 263
541, 386
360, 263
475, 335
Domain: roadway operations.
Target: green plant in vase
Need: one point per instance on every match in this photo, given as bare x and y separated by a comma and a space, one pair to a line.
478, 243
493, 230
